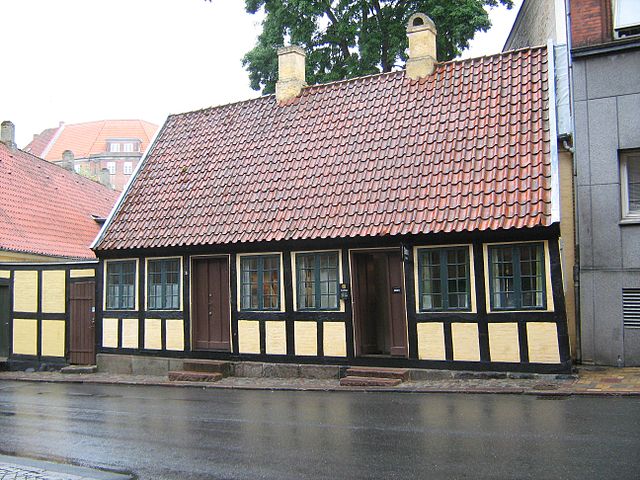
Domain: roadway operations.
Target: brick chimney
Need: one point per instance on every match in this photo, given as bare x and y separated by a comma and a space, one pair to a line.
291, 73
67, 160
8, 134
421, 32
105, 177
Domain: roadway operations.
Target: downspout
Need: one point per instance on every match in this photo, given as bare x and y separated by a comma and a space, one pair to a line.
572, 150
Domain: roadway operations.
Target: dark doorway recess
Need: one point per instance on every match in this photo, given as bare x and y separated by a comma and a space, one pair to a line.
210, 302
5, 340
379, 303
82, 323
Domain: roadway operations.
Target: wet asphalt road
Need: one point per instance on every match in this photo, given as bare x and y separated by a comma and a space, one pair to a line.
187, 433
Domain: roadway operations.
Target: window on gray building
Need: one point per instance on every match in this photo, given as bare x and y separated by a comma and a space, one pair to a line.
630, 183
626, 17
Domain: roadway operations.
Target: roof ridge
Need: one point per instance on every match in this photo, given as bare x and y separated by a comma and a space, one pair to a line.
56, 165
346, 80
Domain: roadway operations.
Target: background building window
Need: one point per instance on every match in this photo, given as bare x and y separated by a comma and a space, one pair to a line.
626, 17
163, 284
630, 176
111, 166
121, 278
128, 147
260, 282
114, 147
444, 279
317, 281
127, 168
517, 277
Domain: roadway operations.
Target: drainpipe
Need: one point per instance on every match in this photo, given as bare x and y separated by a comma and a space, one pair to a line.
572, 150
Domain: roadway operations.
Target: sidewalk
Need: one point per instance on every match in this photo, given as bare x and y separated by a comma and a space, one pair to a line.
588, 381
18, 468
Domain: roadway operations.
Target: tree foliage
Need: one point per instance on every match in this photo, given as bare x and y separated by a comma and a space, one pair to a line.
351, 38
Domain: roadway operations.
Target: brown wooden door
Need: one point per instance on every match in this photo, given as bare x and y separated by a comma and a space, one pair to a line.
82, 337
5, 341
210, 316
379, 303
397, 312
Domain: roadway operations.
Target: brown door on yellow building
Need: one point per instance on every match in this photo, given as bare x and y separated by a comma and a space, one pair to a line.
379, 303
5, 341
82, 333
210, 314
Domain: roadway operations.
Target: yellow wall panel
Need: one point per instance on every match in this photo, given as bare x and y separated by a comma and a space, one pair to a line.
175, 335
110, 332
25, 291
82, 273
53, 291
25, 336
431, 341
153, 334
53, 336
466, 343
306, 338
248, 336
504, 345
5, 274
276, 338
334, 339
543, 342
129, 333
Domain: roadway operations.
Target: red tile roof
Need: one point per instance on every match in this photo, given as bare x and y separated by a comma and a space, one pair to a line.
45, 209
465, 149
85, 139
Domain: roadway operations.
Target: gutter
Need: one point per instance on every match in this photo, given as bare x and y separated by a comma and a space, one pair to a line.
125, 192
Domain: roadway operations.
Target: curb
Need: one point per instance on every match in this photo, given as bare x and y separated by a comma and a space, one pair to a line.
311, 388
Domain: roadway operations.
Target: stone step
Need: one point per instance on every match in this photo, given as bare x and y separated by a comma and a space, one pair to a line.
400, 373
79, 369
209, 366
353, 381
183, 376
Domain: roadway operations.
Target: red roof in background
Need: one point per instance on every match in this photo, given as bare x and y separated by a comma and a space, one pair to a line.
465, 149
45, 209
85, 139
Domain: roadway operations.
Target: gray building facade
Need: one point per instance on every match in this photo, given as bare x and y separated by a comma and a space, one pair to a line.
606, 93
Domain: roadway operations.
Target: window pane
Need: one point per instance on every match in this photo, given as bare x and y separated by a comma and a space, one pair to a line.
532, 275
317, 281
633, 179
120, 285
259, 282
502, 277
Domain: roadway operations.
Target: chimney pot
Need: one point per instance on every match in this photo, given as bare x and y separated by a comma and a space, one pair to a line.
421, 32
8, 134
291, 72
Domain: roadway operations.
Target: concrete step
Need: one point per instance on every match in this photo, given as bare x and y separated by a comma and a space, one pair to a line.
183, 376
400, 373
352, 381
209, 366
79, 369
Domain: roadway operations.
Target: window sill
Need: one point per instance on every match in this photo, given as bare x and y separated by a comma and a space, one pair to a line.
635, 220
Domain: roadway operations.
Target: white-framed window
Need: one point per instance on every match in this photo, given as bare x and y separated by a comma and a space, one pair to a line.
128, 147
114, 147
630, 184
260, 282
445, 278
127, 168
163, 283
626, 17
111, 166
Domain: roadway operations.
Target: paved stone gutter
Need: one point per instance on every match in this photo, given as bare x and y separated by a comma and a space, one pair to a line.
19, 468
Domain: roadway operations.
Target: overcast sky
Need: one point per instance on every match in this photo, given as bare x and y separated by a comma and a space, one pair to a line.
83, 60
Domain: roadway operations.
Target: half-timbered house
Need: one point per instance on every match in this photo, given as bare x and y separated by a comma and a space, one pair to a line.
409, 218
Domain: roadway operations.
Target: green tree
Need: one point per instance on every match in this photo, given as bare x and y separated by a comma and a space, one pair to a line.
351, 38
